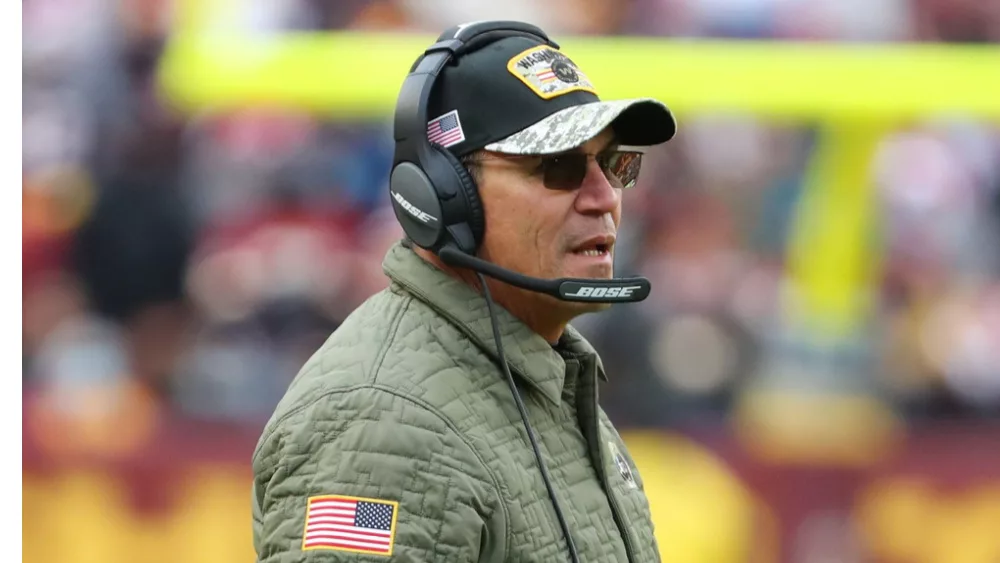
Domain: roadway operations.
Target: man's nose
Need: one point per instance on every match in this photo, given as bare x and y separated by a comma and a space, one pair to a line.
597, 195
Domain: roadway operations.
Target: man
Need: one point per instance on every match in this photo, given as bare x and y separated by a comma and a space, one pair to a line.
401, 439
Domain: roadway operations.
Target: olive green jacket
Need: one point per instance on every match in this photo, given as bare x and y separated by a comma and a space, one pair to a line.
400, 440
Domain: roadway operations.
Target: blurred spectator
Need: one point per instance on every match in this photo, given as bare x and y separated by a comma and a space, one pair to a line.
555, 16
957, 21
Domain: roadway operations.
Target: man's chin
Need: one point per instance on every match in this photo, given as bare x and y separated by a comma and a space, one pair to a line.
577, 307
589, 307
595, 272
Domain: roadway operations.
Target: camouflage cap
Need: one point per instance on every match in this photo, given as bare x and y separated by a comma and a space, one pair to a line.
517, 95
641, 121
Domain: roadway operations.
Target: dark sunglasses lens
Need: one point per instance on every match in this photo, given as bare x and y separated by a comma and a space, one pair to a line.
622, 168
565, 172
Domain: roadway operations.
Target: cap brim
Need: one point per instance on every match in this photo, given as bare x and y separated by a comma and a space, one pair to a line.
636, 122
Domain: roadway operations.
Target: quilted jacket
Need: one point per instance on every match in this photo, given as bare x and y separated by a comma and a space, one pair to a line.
399, 440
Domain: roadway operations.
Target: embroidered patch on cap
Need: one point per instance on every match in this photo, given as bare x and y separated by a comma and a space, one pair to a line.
548, 72
445, 130
361, 525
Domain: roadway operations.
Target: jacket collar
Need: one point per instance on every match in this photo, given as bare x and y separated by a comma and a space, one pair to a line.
574, 343
529, 355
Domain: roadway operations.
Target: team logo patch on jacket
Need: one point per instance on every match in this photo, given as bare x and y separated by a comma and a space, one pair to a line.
548, 72
340, 523
624, 470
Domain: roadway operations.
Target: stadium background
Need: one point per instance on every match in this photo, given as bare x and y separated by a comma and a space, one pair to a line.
816, 377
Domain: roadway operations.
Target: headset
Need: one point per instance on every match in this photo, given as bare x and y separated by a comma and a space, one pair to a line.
437, 203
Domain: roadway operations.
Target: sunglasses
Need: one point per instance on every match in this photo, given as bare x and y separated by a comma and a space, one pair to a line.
565, 172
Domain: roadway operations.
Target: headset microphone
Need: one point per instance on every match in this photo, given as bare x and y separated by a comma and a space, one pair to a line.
614, 290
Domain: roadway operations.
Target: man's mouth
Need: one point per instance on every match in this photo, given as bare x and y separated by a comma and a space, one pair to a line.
596, 246
599, 250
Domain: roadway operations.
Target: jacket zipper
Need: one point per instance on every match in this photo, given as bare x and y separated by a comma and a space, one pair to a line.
617, 512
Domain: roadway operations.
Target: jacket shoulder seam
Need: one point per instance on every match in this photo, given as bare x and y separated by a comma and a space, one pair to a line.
380, 357
397, 320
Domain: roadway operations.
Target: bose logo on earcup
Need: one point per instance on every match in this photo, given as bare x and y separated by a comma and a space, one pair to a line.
587, 291
412, 209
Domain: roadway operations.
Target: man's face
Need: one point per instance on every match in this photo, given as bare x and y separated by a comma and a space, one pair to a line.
549, 233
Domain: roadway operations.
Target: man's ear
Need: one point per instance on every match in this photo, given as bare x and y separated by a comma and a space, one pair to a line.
471, 163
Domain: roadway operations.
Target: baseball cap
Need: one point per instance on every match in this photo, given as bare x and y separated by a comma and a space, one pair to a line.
519, 95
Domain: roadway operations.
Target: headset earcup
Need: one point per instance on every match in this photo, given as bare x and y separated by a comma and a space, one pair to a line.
416, 205
474, 205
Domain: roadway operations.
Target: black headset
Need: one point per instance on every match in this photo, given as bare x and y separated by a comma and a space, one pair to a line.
435, 198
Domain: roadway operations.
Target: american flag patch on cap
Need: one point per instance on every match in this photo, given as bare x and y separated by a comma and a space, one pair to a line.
361, 525
446, 130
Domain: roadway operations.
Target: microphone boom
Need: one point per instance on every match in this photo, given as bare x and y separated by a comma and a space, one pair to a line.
614, 290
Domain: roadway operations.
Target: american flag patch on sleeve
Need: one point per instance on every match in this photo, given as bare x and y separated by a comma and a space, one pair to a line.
361, 525
446, 130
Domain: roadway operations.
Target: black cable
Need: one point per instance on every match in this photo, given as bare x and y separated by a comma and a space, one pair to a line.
527, 425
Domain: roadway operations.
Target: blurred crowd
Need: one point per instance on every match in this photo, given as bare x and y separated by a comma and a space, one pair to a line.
187, 265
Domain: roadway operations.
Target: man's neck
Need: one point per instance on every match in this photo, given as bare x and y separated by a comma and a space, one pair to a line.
535, 310
538, 312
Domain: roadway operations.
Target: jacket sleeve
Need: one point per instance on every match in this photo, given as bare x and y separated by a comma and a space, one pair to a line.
422, 488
